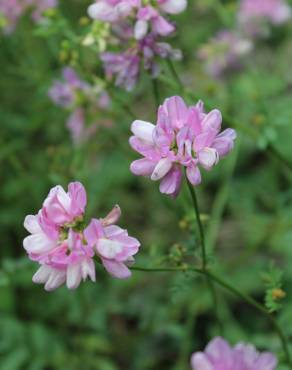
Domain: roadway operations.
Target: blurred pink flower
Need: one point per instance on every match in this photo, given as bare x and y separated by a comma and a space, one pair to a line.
112, 244
183, 137
80, 133
125, 67
252, 14
63, 93
12, 10
218, 355
224, 52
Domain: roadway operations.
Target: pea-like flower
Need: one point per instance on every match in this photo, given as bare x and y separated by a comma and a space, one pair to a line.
65, 248
220, 355
112, 244
184, 137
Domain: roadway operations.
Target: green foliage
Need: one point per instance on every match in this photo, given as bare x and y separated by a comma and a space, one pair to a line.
153, 320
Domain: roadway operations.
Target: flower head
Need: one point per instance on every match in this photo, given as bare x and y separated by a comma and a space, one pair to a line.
219, 355
183, 137
253, 14
65, 248
12, 10
224, 52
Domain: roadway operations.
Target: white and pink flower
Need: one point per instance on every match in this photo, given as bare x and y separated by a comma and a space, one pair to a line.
183, 137
65, 248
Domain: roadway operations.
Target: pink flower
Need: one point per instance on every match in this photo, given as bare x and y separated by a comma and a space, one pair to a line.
224, 52
253, 13
63, 93
112, 244
65, 248
218, 355
12, 10
183, 137
78, 130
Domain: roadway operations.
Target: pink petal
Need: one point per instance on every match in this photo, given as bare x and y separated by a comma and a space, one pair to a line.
194, 174
171, 183
177, 111
212, 121
38, 243
78, 197
140, 29
93, 232
88, 269
113, 216
266, 361
117, 269
224, 142
161, 26
142, 167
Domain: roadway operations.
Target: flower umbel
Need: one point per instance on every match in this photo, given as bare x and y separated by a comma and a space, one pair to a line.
65, 248
219, 355
183, 137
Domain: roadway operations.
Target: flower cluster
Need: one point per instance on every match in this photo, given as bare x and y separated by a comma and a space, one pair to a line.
183, 137
12, 10
218, 355
224, 52
65, 248
254, 14
137, 26
82, 100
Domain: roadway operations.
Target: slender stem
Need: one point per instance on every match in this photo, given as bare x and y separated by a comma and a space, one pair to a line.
247, 298
155, 92
175, 74
204, 254
200, 226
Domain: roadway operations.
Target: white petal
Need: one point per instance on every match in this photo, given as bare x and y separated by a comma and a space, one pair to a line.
31, 224
140, 29
199, 361
174, 6
38, 243
99, 10
56, 279
88, 269
161, 169
108, 248
42, 274
143, 130
208, 157
73, 276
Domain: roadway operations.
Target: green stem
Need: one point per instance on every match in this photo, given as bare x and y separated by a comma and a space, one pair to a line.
204, 254
156, 92
247, 298
199, 222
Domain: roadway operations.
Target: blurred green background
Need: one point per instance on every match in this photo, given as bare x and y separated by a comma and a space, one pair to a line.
154, 320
